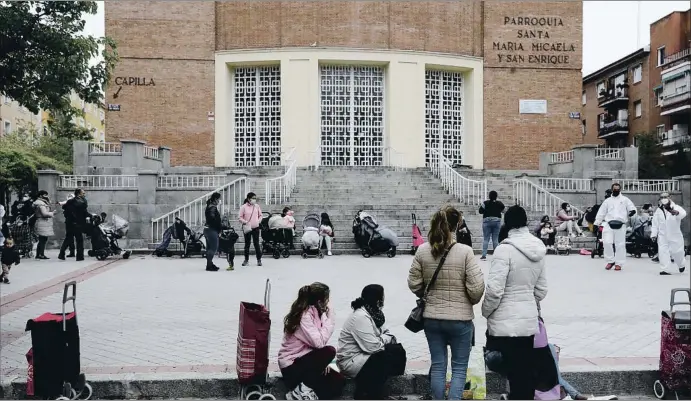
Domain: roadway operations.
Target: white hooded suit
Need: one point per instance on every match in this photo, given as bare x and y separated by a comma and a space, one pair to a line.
670, 241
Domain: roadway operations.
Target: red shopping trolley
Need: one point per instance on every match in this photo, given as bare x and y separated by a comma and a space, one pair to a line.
254, 337
54, 359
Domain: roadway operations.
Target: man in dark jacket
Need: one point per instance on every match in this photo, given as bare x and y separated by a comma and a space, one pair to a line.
76, 212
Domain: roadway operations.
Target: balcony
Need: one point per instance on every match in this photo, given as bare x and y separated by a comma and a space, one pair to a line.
675, 136
612, 128
676, 89
680, 55
614, 96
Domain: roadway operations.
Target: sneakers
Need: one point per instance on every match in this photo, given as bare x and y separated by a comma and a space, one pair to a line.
5, 280
212, 268
329, 253
617, 268
246, 263
301, 392
259, 263
230, 268
609, 266
681, 269
483, 258
664, 273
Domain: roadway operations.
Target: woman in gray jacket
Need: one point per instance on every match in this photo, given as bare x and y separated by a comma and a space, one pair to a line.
367, 351
515, 283
44, 223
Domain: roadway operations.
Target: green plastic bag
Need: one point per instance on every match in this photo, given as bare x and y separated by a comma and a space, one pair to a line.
476, 381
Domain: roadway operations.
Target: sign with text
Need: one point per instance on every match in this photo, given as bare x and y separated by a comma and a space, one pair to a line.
532, 106
113, 107
575, 115
532, 41
134, 81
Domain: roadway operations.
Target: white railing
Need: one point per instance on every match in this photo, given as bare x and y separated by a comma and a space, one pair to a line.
648, 186
105, 148
190, 181
287, 157
609, 154
316, 157
561, 157
534, 198
192, 213
467, 191
677, 56
151, 153
279, 189
98, 181
394, 158
566, 184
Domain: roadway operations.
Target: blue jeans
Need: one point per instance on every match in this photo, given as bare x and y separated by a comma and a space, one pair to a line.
442, 334
570, 390
211, 236
490, 229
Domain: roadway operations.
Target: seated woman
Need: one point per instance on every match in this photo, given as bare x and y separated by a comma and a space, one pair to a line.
547, 235
367, 351
567, 222
289, 222
538, 230
304, 356
326, 230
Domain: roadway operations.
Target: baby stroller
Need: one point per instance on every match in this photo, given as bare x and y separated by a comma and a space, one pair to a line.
373, 239
104, 238
311, 239
227, 240
54, 365
254, 338
196, 244
562, 245
598, 249
20, 230
418, 239
275, 241
675, 349
638, 241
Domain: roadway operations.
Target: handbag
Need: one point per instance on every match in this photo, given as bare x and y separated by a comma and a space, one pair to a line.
615, 224
415, 322
246, 229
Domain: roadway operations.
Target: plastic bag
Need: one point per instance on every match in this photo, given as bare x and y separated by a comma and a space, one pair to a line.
475, 380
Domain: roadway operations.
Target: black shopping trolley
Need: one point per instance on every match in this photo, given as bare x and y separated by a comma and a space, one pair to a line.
54, 359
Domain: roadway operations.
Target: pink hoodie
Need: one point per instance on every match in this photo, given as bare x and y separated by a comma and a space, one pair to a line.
314, 332
247, 217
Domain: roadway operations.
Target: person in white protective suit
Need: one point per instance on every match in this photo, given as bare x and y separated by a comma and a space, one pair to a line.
667, 229
612, 216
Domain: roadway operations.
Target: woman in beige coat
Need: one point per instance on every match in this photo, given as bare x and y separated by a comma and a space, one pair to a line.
44, 223
449, 309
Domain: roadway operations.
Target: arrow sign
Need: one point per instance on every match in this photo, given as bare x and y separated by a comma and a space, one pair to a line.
115, 96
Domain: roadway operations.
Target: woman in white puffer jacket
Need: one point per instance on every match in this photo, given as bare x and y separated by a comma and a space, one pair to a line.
515, 284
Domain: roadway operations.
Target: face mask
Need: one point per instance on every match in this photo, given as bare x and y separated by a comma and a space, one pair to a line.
615, 193
253, 201
290, 213
568, 209
664, 201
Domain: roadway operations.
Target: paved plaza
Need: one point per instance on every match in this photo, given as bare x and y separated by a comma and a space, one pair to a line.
148, 315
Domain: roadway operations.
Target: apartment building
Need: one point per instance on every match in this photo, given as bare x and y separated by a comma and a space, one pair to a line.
93, 119
670, 78
647, 90
13, 116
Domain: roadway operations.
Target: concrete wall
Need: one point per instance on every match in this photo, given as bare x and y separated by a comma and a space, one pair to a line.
585, 165
128, 161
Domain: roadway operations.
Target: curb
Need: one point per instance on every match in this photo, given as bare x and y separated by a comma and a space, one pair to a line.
225, 385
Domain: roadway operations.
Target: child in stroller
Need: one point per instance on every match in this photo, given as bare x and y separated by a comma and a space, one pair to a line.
371, 238
195, 245
311, 238
178, 230
20, 231
639, 241
104, 237
275, 237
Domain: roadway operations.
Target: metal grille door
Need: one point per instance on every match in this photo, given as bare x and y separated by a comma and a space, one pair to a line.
352, 116
444, 114
258, 116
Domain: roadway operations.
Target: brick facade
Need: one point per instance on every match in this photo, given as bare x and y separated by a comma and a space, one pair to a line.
174, 44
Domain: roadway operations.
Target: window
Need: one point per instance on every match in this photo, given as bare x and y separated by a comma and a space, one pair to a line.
583, 127
660, 131
101, 115
660, 56
601, 120
637, 73
8, 127
600, 89
638, 108
88, 126
583, 98
657, 95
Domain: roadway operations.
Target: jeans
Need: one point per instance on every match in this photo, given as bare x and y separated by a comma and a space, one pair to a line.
73, 236
309, 369
41, 247
570, 390
490, 229
254, 236
442, 334
211, 236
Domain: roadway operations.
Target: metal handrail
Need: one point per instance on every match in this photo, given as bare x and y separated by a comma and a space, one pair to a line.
192, 213
394, 158
535, 198
467, 191
279, 189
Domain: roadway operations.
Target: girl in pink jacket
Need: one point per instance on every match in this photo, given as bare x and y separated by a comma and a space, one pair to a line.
304, 356
250, 215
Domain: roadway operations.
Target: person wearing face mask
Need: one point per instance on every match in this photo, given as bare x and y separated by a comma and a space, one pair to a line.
448, 314
44, 223
566, 222
667, 229
250, 216
212, 229
76, 211
289, 223
614, 213
367, 350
